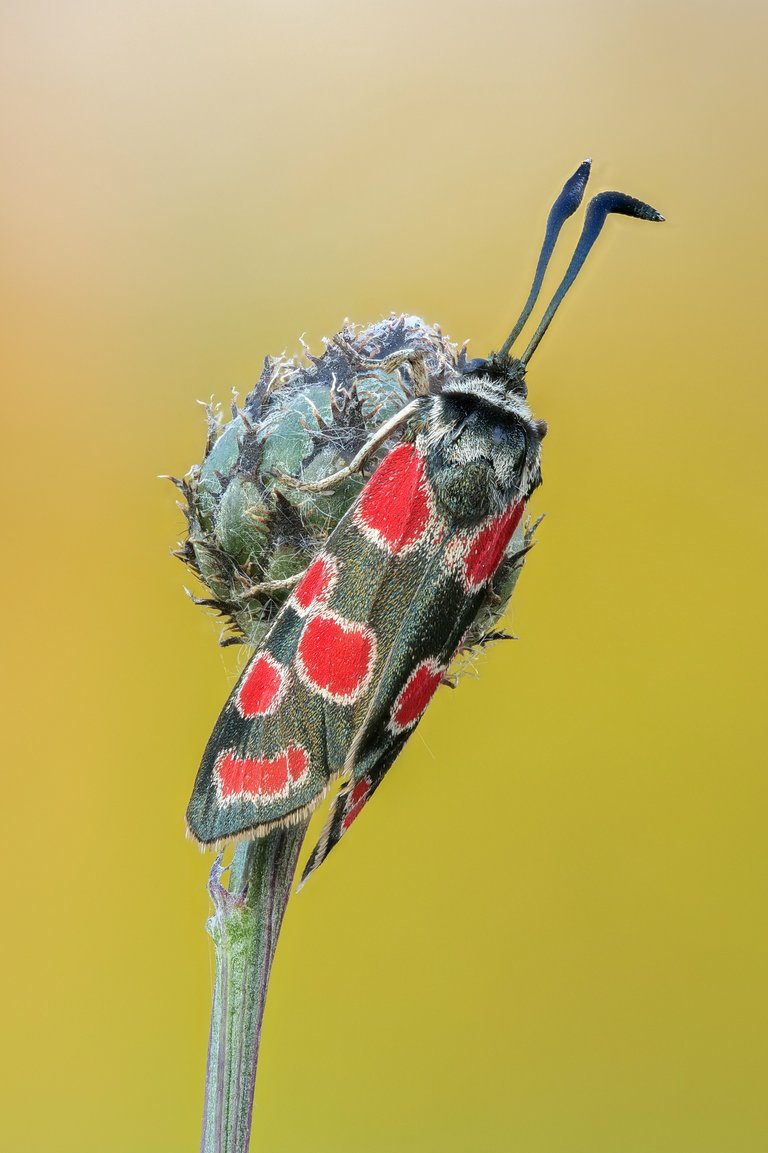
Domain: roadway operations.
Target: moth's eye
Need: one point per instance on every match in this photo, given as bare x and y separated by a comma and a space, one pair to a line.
506, 434
458, 429
510, 440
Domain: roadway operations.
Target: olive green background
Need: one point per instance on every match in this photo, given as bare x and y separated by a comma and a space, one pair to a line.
548, 932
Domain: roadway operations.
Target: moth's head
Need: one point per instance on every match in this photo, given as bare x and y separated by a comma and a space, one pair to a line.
481, 425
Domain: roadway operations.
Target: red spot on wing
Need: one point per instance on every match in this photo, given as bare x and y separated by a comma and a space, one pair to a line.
260, 691
356, 798
261, 778
336, 656
270, 775
416, 694
348, 804
316, 584
489, 544
394, 507
298, 763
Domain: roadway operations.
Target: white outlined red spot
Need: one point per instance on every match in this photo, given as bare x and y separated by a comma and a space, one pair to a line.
262, 688
394, 510
356, 798
336, 656
315, 586
415, 695
485, 550
260, 779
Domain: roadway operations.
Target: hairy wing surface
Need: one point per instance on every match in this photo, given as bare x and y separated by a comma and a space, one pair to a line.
426, 615
265, 758
286, 729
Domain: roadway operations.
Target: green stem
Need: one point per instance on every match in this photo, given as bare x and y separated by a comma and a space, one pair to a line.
244, 927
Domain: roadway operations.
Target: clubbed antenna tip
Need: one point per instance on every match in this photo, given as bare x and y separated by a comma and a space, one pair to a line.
598, 209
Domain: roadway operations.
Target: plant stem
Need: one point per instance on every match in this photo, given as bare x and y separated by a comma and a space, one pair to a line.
244, 926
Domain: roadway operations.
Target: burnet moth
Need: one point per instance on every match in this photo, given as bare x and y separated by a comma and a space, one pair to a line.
369, 631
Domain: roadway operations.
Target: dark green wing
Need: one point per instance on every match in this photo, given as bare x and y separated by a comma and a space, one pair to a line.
425, 618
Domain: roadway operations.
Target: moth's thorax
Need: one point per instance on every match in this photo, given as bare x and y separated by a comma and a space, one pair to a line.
482, 447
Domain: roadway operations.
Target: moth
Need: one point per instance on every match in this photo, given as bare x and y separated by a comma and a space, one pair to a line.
369, 632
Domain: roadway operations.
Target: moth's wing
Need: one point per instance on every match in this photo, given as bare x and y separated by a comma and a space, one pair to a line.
423, 643
286, 730
267, 759
425, 607
347, 805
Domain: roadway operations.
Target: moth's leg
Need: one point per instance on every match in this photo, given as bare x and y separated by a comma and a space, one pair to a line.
516, 558
414, 357
371, 363
267, 587
530, 529
380, 435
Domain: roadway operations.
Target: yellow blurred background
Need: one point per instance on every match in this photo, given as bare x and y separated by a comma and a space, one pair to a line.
548, 932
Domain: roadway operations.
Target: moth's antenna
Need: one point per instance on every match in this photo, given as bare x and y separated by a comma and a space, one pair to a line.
597, 210
566, 204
